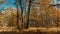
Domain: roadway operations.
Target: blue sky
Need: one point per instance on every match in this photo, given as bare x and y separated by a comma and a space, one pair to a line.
8, 3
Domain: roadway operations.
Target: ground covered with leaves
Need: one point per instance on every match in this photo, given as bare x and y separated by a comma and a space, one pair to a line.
30, 32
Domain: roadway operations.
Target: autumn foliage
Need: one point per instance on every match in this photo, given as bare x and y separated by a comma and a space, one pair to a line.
42, 14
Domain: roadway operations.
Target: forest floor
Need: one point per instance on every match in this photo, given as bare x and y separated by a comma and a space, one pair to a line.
54, 30
42, 29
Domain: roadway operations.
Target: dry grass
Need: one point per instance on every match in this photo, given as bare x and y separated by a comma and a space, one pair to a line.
40, 30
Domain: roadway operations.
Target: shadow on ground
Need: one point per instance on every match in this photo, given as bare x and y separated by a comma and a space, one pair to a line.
30, 32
